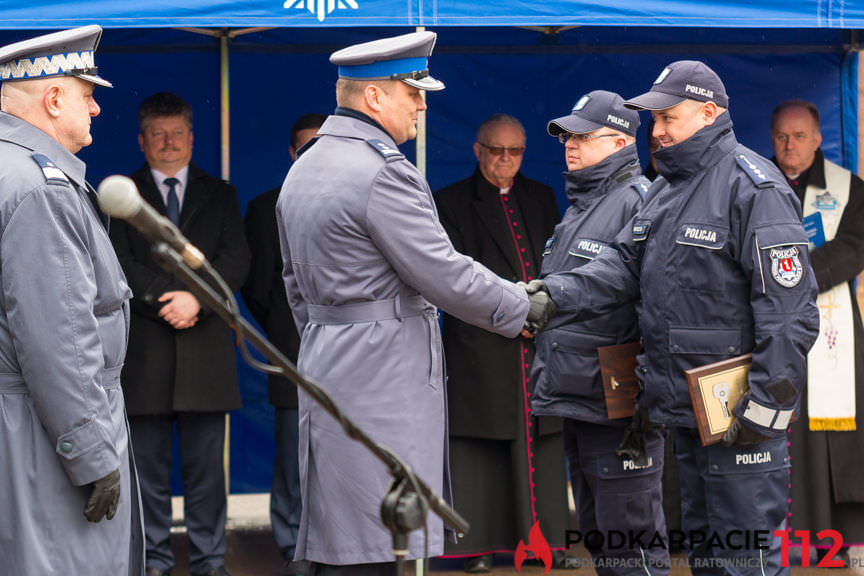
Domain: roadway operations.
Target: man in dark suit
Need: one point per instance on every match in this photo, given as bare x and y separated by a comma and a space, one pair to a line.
180, 366
264, 294
508, 469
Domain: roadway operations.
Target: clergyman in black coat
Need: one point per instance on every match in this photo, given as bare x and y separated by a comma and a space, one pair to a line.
507, 465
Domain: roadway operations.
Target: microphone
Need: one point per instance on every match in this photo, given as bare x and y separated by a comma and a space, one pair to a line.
119, 198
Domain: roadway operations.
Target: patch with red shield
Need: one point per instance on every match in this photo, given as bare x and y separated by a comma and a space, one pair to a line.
786, 267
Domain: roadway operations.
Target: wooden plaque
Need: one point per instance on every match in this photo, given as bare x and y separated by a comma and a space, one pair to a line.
618, 371
710, 387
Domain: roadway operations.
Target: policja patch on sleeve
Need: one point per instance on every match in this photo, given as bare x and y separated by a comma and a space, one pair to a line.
786, 268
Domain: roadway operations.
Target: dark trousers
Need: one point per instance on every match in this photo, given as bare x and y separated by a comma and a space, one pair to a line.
285, 502
728, 493
202, 441
379, 569
615, 497
493, 490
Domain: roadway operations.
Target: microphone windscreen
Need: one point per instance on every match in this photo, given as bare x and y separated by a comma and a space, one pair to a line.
119, 197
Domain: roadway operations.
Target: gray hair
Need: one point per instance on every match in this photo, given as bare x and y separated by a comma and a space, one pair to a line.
486, 126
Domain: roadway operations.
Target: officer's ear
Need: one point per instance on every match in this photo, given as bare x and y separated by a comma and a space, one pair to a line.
52, 99
710, 111
373, 94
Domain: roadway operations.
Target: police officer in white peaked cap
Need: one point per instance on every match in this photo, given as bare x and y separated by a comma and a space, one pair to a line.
404, 58
366, 263
69, 498
64, 53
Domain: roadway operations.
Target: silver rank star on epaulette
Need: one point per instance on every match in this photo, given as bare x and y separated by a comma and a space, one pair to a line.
756, 174
383, 148
53, 174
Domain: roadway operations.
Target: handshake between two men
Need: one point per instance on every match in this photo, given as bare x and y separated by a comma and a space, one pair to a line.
541, 307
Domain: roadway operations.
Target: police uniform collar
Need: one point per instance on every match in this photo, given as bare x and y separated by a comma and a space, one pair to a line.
350, 126
697, 153
586, 184
351, 113
22, 133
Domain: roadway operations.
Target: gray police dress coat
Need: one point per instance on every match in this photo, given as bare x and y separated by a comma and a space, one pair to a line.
64, 319
366, 262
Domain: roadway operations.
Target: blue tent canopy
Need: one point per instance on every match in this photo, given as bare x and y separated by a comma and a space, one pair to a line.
530, 59
352, 13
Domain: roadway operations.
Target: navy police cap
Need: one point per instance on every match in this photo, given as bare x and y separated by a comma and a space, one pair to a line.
64, 53
402, 58
594, 111
679, 81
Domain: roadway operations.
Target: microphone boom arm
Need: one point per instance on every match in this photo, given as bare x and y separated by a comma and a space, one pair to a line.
226, 308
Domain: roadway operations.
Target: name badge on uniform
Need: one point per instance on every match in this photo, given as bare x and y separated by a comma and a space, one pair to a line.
641, 228
825, 201
586, 248
786, 266
702, 235
814, 229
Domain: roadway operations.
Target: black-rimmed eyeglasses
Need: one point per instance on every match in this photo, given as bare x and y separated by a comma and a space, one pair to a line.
565, 137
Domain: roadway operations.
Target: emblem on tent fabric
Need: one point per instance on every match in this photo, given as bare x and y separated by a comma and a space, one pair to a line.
321, 8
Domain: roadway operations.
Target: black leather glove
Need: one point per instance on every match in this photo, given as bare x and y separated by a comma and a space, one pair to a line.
740, 434
633, 444
541, 309
533, 286
103, 497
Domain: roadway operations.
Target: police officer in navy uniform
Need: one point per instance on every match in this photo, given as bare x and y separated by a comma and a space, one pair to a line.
719, 258
366, 262
605, 187
69, 503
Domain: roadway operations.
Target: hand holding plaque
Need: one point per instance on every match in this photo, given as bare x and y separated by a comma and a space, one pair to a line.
714, 390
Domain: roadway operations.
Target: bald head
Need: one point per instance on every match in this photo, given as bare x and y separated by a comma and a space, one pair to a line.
59, 106
22, 95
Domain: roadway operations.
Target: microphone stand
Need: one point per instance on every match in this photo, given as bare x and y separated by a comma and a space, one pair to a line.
406, 504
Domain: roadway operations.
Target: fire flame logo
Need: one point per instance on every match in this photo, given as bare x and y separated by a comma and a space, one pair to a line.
537, 545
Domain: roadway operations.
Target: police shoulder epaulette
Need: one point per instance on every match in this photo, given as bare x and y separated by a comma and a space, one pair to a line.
759, 177
383, 148
53, 174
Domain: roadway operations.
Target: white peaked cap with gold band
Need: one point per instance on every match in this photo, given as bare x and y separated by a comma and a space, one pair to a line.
64, 53
404, 58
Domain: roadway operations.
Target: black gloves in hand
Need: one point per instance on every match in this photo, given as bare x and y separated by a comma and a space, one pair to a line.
533, 286
633, 444
541, 307
740, 434
103, 498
